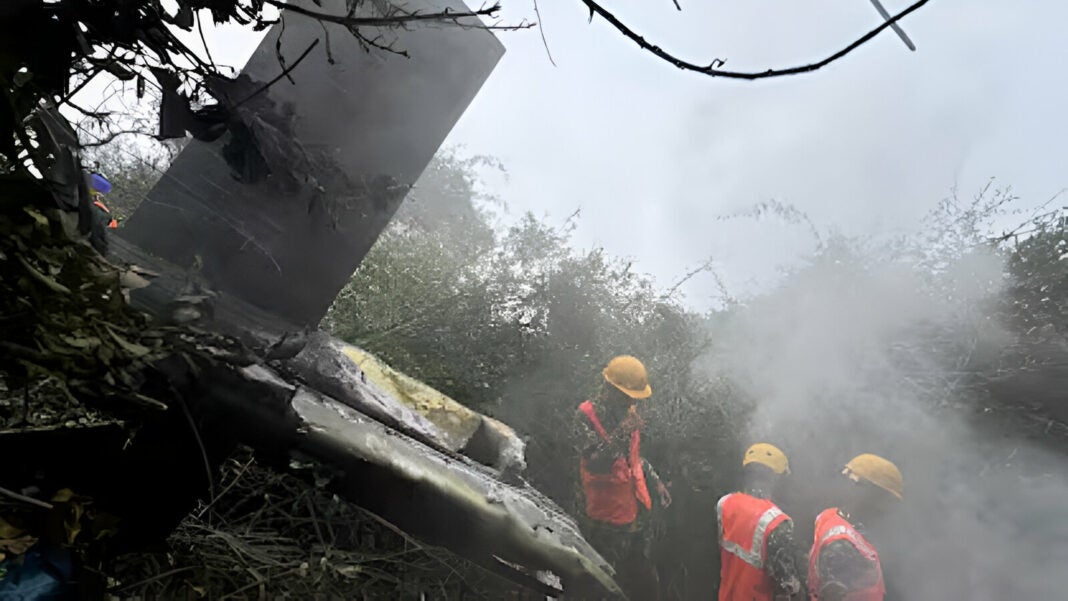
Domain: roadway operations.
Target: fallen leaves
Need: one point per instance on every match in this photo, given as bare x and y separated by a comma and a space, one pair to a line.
75, 328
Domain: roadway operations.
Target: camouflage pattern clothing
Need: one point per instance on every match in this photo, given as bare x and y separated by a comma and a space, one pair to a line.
627, 548
782, 557
842, 564
600, 454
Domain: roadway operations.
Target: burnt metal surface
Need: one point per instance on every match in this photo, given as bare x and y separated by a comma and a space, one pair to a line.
488, 521
282, 224
322, 364
310, 399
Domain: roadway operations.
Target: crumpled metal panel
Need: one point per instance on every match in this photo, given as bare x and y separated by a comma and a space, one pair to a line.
284, 222
449, 502
300, 392
459, 428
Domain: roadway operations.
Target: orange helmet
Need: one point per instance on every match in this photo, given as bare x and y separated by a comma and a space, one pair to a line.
878, 471
768, 455
628, 375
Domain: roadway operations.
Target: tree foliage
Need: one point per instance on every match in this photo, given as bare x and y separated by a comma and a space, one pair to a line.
517, 322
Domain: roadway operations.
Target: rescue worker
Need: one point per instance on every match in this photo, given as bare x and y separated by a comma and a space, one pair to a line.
101, 186
843, 564
615, 477
756, 538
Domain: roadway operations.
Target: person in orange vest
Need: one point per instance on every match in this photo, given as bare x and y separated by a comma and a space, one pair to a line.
615, 478
756, 538
843, 564
101, 186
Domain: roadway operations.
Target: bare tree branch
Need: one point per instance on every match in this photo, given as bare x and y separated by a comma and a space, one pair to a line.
713, 68
376, 43
541, 30
285, 73
396, 19
207, 51
92, 114
111, 136
707, 265
19, 497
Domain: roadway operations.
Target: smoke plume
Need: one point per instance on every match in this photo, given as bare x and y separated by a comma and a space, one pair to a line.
868, 350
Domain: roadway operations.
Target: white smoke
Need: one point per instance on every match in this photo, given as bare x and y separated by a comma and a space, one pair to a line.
863, 350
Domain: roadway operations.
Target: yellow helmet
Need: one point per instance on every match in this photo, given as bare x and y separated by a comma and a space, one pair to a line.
769, 455
628, 375
878, 471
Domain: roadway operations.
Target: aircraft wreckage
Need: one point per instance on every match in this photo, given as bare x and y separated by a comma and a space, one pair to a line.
254, 241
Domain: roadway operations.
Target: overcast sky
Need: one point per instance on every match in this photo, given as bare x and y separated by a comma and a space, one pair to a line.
653, 155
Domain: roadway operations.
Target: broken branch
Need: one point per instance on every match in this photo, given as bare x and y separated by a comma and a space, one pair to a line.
713, 70
19, 497
394, 20
285, 73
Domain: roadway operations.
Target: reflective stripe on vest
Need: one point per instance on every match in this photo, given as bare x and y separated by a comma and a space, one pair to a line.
854, 538
754, 556
745, 525
830, 527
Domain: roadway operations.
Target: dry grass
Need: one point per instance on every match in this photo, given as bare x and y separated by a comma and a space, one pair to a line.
269, 535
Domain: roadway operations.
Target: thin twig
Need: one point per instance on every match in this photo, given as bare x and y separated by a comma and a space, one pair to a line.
115, 134
713, 70
315, 521
573, 218
278, 48
395, 20
257, 583
285, 73
368, 43
180, 48
541, 30
326, 36
707, 265
200, 443
157, 577
20, 497
80, 86
98, 115
207, 51
226, 489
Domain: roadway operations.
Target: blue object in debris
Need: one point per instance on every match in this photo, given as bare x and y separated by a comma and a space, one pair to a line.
100, 183
43, 574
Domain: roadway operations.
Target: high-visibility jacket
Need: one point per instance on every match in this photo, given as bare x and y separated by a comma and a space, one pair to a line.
831, 527
613, 497
112, 224
745, 523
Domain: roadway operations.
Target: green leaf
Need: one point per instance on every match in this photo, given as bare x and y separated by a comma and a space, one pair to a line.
39, 218
106, 354
82, 342
132, 348
42, 278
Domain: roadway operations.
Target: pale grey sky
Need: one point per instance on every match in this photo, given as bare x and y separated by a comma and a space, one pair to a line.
653, 155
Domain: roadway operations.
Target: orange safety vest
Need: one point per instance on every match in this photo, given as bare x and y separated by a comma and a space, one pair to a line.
614, 497
745, 523
830, 527
111, 224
